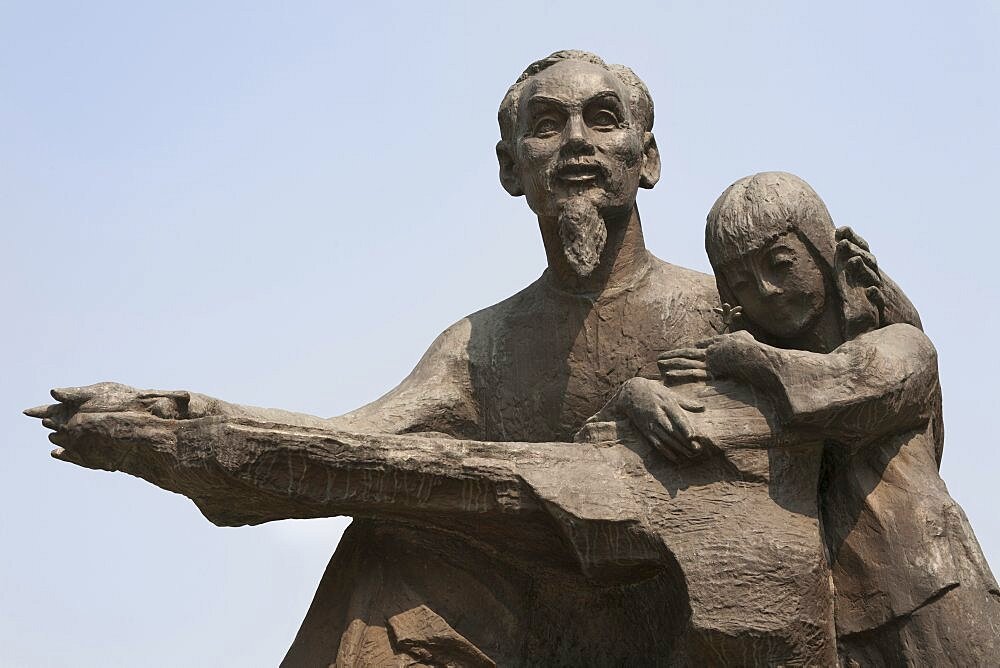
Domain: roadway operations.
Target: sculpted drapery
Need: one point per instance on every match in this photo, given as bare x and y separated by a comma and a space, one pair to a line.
748, 502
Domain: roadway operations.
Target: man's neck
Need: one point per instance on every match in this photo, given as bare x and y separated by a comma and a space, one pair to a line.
623, 261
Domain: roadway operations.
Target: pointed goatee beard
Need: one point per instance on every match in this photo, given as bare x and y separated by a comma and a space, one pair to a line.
583, 234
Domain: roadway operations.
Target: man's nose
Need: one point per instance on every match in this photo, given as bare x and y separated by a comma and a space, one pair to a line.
577, 135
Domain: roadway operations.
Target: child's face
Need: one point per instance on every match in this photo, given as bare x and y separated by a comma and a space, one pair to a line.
779, 286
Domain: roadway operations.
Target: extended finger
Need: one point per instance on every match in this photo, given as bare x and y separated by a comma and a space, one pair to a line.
683, 353
845, 247
681, 446
660, 446
40, 411
178, 395
678, 421
64, 455
71, 395
669, 363
54, 416
670, 441
875, 296
847, 232
684, 376
706, 343
691, 405
59, 438
682, 427
863, 273
851, 249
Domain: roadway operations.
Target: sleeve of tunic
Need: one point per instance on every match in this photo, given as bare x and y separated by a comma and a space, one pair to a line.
881, 382
435, 397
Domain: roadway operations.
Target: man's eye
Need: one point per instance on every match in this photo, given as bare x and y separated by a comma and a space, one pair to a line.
603, 118
546, 127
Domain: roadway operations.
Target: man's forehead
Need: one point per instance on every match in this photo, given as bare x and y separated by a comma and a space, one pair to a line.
572, 82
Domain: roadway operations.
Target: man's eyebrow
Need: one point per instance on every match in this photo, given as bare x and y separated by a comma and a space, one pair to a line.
604, 94
543, 99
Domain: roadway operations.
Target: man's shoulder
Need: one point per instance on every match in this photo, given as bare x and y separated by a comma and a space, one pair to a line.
481, 322
664, 281
677, 288
527, 299
667, 286
680, 280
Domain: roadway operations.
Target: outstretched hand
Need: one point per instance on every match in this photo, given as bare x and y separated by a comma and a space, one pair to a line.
88, 421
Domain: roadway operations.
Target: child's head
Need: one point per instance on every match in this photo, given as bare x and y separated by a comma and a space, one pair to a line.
770, 240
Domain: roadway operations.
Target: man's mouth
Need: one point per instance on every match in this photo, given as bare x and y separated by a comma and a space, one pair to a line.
579, 172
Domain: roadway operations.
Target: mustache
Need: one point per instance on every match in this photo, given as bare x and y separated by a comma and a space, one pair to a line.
577, 167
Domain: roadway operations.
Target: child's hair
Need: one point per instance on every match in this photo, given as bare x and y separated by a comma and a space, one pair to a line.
758, 209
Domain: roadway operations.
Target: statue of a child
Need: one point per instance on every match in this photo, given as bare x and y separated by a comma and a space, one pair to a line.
911, 584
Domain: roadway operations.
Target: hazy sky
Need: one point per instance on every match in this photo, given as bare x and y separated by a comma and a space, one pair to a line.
282, 204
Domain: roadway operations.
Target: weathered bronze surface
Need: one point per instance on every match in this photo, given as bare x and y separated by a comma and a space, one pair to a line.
627, 462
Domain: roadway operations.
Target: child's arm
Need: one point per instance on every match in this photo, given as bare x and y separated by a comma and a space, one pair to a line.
880, 382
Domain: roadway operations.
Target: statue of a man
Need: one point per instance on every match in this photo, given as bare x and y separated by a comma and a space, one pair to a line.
577, 142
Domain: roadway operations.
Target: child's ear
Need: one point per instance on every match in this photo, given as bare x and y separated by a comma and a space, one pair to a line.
650, 162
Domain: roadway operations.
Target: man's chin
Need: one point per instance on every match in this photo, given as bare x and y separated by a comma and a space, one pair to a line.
583, 234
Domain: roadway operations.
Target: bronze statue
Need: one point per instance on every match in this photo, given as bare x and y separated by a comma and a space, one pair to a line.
703, 514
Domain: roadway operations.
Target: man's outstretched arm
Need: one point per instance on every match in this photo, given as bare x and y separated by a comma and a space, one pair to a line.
516, 495
433, 398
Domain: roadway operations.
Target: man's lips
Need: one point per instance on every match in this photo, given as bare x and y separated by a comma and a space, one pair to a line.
580, 172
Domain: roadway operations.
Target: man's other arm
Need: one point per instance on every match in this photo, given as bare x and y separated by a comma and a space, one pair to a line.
435, 397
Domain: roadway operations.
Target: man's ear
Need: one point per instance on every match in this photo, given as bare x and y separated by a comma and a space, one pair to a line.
508, 174
650, 162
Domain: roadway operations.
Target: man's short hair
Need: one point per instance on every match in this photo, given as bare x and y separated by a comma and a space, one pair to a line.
640, 101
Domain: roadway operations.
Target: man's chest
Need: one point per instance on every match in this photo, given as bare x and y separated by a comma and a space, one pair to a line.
545, 372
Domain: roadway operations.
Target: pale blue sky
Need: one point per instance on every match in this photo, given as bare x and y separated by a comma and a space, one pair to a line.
283, 203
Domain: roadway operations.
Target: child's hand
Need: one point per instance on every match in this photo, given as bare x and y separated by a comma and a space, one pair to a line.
684, 365
857, 270
688, 365
729, 315
737, 355
859, 264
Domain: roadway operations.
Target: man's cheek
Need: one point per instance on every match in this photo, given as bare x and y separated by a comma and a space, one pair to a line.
626, 153
535, 152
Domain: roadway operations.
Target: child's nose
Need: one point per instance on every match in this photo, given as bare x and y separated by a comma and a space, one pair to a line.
767, 289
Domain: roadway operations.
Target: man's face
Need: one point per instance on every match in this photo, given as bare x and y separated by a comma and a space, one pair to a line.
576, 138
